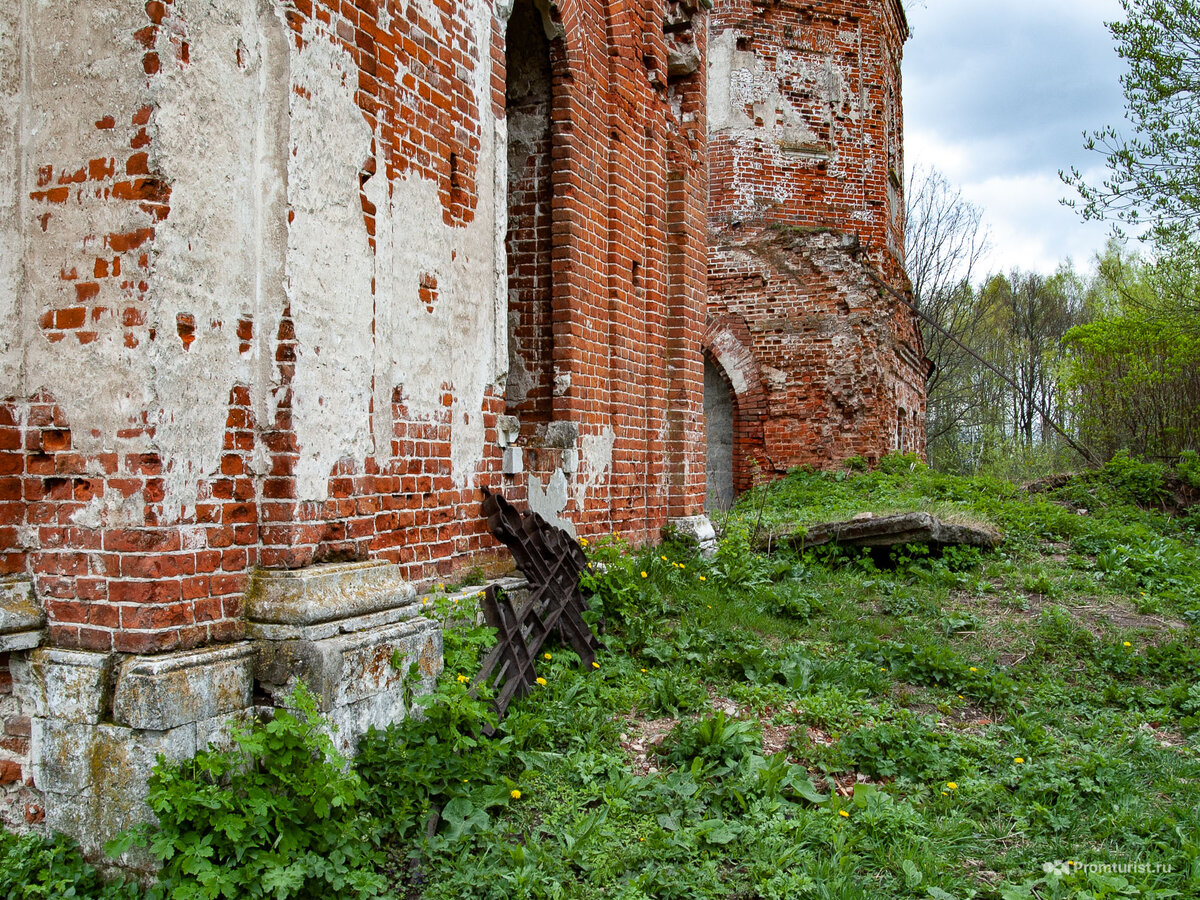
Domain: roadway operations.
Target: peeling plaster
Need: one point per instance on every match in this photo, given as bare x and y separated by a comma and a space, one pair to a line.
86, 53
739, 80
461, 344
329, 264
597, 457
10, 205
251, 124
219, 254
550, 501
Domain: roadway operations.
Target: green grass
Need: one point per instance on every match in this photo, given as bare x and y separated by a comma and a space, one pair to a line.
829, 725
824, 726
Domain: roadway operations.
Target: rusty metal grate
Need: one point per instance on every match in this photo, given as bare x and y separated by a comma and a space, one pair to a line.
551, 562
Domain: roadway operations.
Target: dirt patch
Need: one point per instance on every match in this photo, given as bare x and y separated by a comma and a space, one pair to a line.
1109, 611
640, 739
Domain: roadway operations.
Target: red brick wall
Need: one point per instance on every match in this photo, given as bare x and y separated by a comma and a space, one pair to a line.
806, 229
627, 239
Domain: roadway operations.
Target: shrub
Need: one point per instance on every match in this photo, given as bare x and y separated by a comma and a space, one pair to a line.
279, 815
34, 867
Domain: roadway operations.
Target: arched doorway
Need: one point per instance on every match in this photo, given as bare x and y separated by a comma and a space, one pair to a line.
718, 419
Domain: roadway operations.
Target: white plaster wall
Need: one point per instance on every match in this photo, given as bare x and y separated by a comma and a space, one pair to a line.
329, 264
10, 206
460, 343
87, 64
220, 141
237, 146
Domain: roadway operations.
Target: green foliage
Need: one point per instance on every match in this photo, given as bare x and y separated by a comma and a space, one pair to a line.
1011, 707
278, 816
1188, 468
34, 867
420, 766
715, 739
617, 591
1135, 381
1153, 175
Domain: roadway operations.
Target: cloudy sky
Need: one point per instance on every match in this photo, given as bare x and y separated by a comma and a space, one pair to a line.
997, 95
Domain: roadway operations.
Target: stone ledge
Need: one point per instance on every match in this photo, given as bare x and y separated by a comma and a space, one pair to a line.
271, 632
697, 530
163, 692
68, 685
19, 607
325, 593
21, 640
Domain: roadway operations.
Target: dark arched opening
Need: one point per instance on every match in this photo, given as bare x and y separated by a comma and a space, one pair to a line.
718, 424
528, 105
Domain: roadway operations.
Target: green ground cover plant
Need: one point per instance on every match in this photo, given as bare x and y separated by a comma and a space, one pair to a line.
1007, 725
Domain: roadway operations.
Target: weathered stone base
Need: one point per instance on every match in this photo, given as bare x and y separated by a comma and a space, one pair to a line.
694, 529
98, 722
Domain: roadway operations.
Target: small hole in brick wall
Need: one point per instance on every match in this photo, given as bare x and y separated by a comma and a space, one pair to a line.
428, 290
185, 324
744, 42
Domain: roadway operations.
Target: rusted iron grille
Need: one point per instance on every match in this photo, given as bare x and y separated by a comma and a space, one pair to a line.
551, 562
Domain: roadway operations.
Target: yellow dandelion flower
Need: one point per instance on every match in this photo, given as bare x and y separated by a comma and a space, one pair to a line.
542, 682
702, 578
643, 670
441, 587
1127, 644
583, 542
952, 785
463, 679
1018, 760
595, 665
515, 794
944, 794
547, 656
644, 575
973, 669
843, 814
664, 559
961, 697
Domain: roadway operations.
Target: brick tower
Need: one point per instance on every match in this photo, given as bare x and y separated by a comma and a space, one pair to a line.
811, 357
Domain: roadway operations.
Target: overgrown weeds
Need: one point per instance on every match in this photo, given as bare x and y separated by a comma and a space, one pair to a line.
1008, 725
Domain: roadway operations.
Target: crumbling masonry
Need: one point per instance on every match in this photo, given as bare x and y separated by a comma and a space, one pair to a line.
288, 282
810, 358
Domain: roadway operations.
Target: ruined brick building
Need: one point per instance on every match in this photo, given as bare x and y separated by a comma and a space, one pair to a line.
810, 359
288, 281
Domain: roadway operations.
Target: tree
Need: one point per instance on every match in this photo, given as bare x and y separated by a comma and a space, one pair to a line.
1154, 176
945, 239
1132, 375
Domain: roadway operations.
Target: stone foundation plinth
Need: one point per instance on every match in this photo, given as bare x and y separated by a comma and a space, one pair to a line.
97, 722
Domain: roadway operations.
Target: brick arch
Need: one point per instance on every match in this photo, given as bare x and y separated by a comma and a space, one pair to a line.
727, 343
